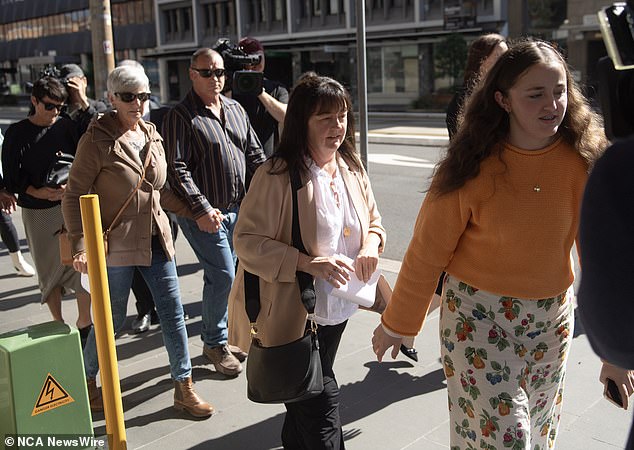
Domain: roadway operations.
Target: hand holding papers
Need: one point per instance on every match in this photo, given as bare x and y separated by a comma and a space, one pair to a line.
356, 290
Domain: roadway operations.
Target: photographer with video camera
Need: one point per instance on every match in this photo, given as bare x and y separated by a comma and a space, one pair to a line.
607, 219
263, 99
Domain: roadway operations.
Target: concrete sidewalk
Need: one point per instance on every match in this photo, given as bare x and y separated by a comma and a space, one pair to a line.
393, 405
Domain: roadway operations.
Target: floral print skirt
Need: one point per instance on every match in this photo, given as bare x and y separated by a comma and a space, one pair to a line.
504, 359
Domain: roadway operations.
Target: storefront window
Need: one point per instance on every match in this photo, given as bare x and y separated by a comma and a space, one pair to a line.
393, 69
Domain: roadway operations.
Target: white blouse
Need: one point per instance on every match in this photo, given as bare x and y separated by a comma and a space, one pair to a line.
338, 232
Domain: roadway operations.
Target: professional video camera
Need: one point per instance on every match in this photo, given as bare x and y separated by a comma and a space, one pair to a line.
245, 82
616, 72
48, 71
51, 71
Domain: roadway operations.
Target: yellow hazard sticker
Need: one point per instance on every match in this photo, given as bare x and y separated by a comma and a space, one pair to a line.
51, 396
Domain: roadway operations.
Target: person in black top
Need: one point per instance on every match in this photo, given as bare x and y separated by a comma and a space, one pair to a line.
266, 111
29, 149
81, 109
484, 51
606, 243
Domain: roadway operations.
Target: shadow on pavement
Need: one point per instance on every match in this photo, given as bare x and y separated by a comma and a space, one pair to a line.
358, 400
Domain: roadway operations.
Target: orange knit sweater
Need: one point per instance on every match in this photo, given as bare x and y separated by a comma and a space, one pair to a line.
509, 231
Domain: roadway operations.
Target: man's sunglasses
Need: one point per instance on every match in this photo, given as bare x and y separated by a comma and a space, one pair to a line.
51, 106
130, 97
207, 73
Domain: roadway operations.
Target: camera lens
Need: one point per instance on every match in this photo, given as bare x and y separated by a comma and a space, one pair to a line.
247, 82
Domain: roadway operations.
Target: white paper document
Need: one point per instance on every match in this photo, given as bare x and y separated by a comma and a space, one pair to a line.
356, 290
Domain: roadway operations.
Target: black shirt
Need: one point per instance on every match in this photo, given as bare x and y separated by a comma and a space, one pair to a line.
265, 126
27, 153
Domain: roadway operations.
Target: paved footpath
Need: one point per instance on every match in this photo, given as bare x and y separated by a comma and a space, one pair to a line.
388, 406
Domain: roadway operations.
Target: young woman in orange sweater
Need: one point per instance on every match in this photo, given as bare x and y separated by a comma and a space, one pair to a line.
500, 218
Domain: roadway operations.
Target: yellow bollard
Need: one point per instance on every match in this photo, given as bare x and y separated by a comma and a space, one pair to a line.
102, 318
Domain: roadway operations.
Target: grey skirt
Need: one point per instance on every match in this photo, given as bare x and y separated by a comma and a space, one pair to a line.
40, 226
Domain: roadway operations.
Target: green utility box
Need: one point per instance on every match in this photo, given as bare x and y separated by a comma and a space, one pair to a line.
42, 383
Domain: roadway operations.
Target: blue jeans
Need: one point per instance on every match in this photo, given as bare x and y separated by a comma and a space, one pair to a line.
216, 255
162, 279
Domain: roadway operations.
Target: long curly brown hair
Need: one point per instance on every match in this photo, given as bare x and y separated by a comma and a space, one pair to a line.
485, 125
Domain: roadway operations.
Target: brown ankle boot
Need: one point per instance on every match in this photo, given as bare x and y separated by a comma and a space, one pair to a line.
186, 399
94, 395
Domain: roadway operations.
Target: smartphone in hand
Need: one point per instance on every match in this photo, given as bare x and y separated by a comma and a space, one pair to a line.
612, 393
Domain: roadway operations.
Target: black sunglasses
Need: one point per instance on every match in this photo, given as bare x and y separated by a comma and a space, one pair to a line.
51, 106
207, 73
130, 97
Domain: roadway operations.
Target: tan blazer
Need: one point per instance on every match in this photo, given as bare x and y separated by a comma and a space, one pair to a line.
105, 165
263, 243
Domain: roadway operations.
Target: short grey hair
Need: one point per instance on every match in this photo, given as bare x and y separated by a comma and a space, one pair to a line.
131, 63
127, 79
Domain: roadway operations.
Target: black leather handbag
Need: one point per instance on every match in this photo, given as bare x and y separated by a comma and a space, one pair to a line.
57, 173
291, 372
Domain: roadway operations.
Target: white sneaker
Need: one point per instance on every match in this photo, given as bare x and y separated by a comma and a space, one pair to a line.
23, 268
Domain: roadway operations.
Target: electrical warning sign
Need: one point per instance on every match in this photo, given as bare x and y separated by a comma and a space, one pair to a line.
51, 396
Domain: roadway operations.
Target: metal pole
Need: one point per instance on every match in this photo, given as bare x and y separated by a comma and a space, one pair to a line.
362, 92
102, 318
102, 44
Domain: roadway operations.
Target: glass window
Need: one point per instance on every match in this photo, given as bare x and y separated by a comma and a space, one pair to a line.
485, 7
131, 17
375, 69
432, 9
148, 13
279, 10
122, 14
232, 15
333, 7
393, 69
74, 20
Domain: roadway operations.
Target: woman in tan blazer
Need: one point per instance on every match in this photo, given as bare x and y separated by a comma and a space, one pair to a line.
337, 214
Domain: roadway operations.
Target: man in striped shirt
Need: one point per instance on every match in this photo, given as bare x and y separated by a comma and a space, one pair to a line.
212, 151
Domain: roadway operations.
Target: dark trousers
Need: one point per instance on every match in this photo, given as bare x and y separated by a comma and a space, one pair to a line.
315, 424
8, 232
144, 301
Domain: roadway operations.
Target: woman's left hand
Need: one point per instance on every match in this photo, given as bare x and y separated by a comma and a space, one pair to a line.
367, 260
381, 341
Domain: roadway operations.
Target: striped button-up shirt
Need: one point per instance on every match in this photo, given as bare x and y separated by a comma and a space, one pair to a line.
209, 159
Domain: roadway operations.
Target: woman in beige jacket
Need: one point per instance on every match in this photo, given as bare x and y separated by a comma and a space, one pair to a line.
118, 151
337, 214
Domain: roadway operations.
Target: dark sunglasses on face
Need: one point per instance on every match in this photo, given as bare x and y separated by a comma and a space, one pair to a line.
207, 73
51, 106
130, 97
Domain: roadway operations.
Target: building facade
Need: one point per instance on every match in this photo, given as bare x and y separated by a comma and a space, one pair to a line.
320, 35
37, 33
402, 37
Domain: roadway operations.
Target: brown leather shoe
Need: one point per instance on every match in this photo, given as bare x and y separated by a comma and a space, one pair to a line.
236, 351
223, 360
185, 398
94, 395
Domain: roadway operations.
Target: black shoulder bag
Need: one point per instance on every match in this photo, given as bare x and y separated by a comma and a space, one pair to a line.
290, 372
57, 172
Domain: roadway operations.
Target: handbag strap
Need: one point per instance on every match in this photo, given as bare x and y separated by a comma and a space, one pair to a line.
138, 185
305, 280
